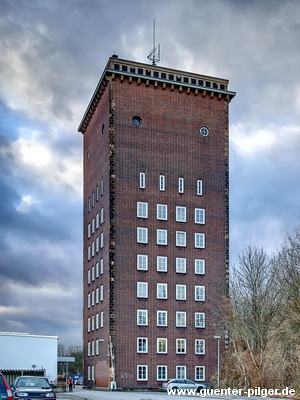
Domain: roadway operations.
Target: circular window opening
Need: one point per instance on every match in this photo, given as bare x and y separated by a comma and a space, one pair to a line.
137, 120
204, 131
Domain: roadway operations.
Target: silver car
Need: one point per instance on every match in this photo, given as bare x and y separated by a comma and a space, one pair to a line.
183, 384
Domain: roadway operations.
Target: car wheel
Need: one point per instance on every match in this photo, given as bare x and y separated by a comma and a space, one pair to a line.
175, 388
200, 388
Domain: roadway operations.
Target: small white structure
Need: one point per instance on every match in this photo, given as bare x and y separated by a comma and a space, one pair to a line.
23, 352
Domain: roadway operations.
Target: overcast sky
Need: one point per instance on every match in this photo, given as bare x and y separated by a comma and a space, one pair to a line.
52, 54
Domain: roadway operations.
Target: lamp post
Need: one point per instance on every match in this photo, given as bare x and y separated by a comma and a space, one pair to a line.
218, 338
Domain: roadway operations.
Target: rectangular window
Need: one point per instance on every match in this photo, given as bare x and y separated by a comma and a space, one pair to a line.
89, 204
199, 346
97, 193
180, 292
93, 298
180, 265
181, 185
101, 319
162, 372
97, 295
162, 182
180, 239
142, 209
97, 221
142, 345
142, 180
142, 235
199, 240
101, 266
93, 323
97, 270
162, 264
101, 187
93, 249
89, 349
89, 276
162, 211
162, 318
93, 273
180, 319
199, 187
97, 244
89, 253
89, 300
142, 372
142, 262
200, 293
162, 290
142, 289
199, 320
199, 373
89, 325
97, 321
181, 346
101, 216
102, 240
142, 317
199, 216
180, 214
89, 231
162, 345
97, 346
93, 225
101, 293
162, 237
199, 267
180, 372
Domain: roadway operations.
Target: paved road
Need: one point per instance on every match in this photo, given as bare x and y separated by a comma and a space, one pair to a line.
84, 394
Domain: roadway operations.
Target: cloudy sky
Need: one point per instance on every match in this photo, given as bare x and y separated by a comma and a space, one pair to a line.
52, 54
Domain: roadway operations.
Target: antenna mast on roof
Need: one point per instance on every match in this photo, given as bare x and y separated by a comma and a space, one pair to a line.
152, 55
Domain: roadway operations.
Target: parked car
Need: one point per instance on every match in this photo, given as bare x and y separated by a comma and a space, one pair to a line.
184, 384
32, 387
5, 391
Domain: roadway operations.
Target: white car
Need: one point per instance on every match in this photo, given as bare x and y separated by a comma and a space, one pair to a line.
183, 384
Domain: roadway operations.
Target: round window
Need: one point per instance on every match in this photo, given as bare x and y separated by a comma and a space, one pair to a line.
204, 131
137, 120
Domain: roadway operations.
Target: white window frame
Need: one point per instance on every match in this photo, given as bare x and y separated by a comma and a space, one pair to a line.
141, 316
142, 372
199, 240
101, 266
101, 293
142, 235
89, 300
200, 376
199, 317
162, 237
101, 187
97, 221
142, 290
180, 319
200, 216
180, 185
89, 231
162, 264
97, 295
162, 291
199, 293
142, 345
180, 371
199, 187
97, 321
142, 209
180, 346
162, 212
89, 253
158, 342
97, 244
159, 375
180, 214
101, 240
180, 292
200, 346
101, 216
165, 319
101, 319
93, 273
180, 265
199, 266
93, 225
162, 183
89, 276
142, 262
142, 180
180, 238
89, 324
97, 270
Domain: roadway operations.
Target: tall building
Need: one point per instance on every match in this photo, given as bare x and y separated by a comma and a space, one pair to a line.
155, 225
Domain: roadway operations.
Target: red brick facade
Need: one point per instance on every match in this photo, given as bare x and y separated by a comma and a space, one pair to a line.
167, 147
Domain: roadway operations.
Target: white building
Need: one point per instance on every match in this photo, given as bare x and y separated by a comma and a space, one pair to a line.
24, 354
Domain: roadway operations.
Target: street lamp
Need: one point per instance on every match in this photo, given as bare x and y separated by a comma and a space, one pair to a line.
218, 338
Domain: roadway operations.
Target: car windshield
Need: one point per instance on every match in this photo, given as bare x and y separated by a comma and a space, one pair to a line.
33, 382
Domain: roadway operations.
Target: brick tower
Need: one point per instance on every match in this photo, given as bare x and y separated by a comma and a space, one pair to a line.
155, 225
